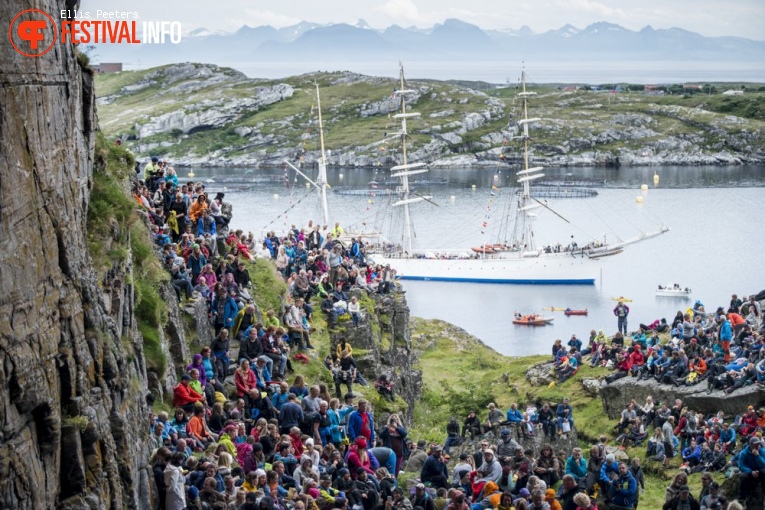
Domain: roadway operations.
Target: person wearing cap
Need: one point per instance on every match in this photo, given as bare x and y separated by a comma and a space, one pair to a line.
523, 494
751, 464
359, 458
227, 439
493, 420
713, 496
683, 500
490, 470
417, 457
327, 492
421, 498
184, 395
150, 172
506, 447
434, 470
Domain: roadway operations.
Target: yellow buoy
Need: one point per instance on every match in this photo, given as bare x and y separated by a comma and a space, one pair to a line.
191, 173
453, 198
473, 186
276, 196
644, 187
308, 185
341, 176
655, 179
639, 200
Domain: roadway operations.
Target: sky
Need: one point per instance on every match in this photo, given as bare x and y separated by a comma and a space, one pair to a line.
743, 18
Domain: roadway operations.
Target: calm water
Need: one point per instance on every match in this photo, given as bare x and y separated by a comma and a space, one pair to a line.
536, 71
715, 244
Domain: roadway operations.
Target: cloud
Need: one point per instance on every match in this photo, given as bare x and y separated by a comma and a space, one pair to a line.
257, 17
593, 7
400, 11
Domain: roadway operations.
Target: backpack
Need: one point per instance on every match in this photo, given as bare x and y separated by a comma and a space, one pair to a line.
309, 418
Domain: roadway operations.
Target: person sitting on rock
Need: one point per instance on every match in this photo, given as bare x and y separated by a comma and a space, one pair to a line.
184, 396
472, 425
385, 387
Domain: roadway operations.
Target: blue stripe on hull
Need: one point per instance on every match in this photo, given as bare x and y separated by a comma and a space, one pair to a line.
587, 281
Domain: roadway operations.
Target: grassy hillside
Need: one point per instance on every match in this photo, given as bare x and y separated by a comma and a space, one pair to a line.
460, 373
354, 123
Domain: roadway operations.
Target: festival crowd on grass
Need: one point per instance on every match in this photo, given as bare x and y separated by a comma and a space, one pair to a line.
249, 432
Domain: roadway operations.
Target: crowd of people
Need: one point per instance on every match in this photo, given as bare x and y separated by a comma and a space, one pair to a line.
271, 444
278, 445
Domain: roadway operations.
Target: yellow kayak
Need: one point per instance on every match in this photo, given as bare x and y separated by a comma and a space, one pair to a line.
554, 309
624, 299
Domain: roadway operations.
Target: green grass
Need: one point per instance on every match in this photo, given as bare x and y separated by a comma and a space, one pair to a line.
156, 359
571, 114
269, 286
460, 373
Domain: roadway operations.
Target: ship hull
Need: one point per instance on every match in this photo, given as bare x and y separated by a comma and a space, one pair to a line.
555, 269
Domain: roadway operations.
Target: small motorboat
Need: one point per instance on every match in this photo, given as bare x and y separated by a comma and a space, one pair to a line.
674, 290
622, 298
569, 312
532, 320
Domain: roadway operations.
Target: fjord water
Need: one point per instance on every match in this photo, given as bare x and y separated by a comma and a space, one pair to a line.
592, 72
715, 245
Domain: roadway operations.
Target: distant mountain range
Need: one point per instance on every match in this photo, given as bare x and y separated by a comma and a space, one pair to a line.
453, 40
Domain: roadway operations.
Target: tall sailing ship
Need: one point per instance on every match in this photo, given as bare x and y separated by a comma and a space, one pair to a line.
519, 261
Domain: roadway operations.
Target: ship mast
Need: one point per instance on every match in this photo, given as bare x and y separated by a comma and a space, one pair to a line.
525, 204
321, 180
406, 169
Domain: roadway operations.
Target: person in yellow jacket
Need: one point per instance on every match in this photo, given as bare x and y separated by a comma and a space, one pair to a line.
227, 439
343, 345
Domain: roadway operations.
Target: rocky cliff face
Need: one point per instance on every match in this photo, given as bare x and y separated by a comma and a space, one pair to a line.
382, 344
72, 373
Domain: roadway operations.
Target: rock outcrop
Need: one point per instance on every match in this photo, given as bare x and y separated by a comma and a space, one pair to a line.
384, 346
73, 381
617, 395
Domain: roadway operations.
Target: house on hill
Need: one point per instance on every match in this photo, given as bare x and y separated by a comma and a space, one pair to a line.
653, 90
733, 93
108, 67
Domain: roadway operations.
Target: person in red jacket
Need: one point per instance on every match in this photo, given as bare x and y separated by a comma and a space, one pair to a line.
246, 385
636, 359
184, 395
623, 366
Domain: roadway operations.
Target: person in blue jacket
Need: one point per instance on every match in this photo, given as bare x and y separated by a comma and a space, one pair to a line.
513, 414
361, 423
726, 335
623, 489
576, 466
751, 464
609, 470
224, 310
564, 412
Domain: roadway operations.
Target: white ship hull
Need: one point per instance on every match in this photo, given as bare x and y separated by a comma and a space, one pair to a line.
674, 293
546, 269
